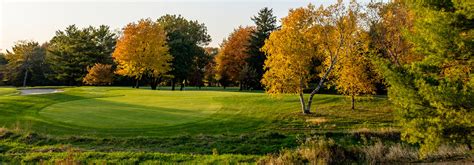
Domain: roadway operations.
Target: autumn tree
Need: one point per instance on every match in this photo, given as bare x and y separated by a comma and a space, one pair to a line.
434, 93
71, 51
185, 39
25, 62
265, 24
308, 35
233, 55
142, 50
355, 75
99, 74
210, 68
388, 23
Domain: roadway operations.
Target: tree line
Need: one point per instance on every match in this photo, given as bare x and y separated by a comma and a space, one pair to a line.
420, 52
170, 51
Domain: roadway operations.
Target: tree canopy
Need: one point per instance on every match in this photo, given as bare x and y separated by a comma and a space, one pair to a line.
71, 51
99, 74
434, 93
233, 54
26, 62
310, 40
184, 38
265, 24
142, 50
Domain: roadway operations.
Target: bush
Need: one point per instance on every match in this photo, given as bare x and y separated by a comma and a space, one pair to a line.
314, 151
99, 74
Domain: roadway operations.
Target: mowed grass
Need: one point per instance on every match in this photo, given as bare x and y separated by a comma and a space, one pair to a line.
119, 111
135, 109
8, 91
135, 125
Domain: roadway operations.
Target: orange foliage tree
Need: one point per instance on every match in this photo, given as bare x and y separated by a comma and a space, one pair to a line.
99, 74
232, 56
388, 23
142, 50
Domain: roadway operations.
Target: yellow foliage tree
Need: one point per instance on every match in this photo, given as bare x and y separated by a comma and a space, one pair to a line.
99, 74
142, 50
388, 24
354, 75
308, 35
290, 51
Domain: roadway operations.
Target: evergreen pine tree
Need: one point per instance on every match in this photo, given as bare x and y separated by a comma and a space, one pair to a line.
265, 23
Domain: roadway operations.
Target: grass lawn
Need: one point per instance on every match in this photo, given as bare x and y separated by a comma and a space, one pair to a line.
103, 119
116, 111
8, 91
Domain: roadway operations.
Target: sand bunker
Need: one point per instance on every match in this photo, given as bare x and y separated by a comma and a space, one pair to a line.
39, 91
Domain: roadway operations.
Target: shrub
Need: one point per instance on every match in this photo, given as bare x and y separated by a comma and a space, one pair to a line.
99, 74
314, 151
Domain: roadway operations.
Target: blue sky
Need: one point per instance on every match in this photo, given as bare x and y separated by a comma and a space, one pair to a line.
39, 19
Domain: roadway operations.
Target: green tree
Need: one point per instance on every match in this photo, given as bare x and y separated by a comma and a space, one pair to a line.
73, 50
185, 39
249, 77
3, 60
25, 62
3, 63
201, 60
265, 23
435, 94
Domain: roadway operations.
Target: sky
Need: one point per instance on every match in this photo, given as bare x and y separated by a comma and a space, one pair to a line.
38, 20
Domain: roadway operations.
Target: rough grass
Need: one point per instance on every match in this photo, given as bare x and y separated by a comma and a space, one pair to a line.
327, 151
399, 152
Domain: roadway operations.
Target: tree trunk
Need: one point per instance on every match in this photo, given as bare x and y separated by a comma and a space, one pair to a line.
182, 85
154, 83
352, 97
173, 84
307, 108
240, 86
24, 78
303, 104
137, 85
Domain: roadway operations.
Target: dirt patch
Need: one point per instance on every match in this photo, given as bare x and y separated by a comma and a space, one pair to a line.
317, 120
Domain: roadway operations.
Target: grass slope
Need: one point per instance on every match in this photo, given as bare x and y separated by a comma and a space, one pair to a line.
105, 112
118, 120
8, 91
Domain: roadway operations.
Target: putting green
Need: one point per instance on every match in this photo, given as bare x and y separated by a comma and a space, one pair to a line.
134, 110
